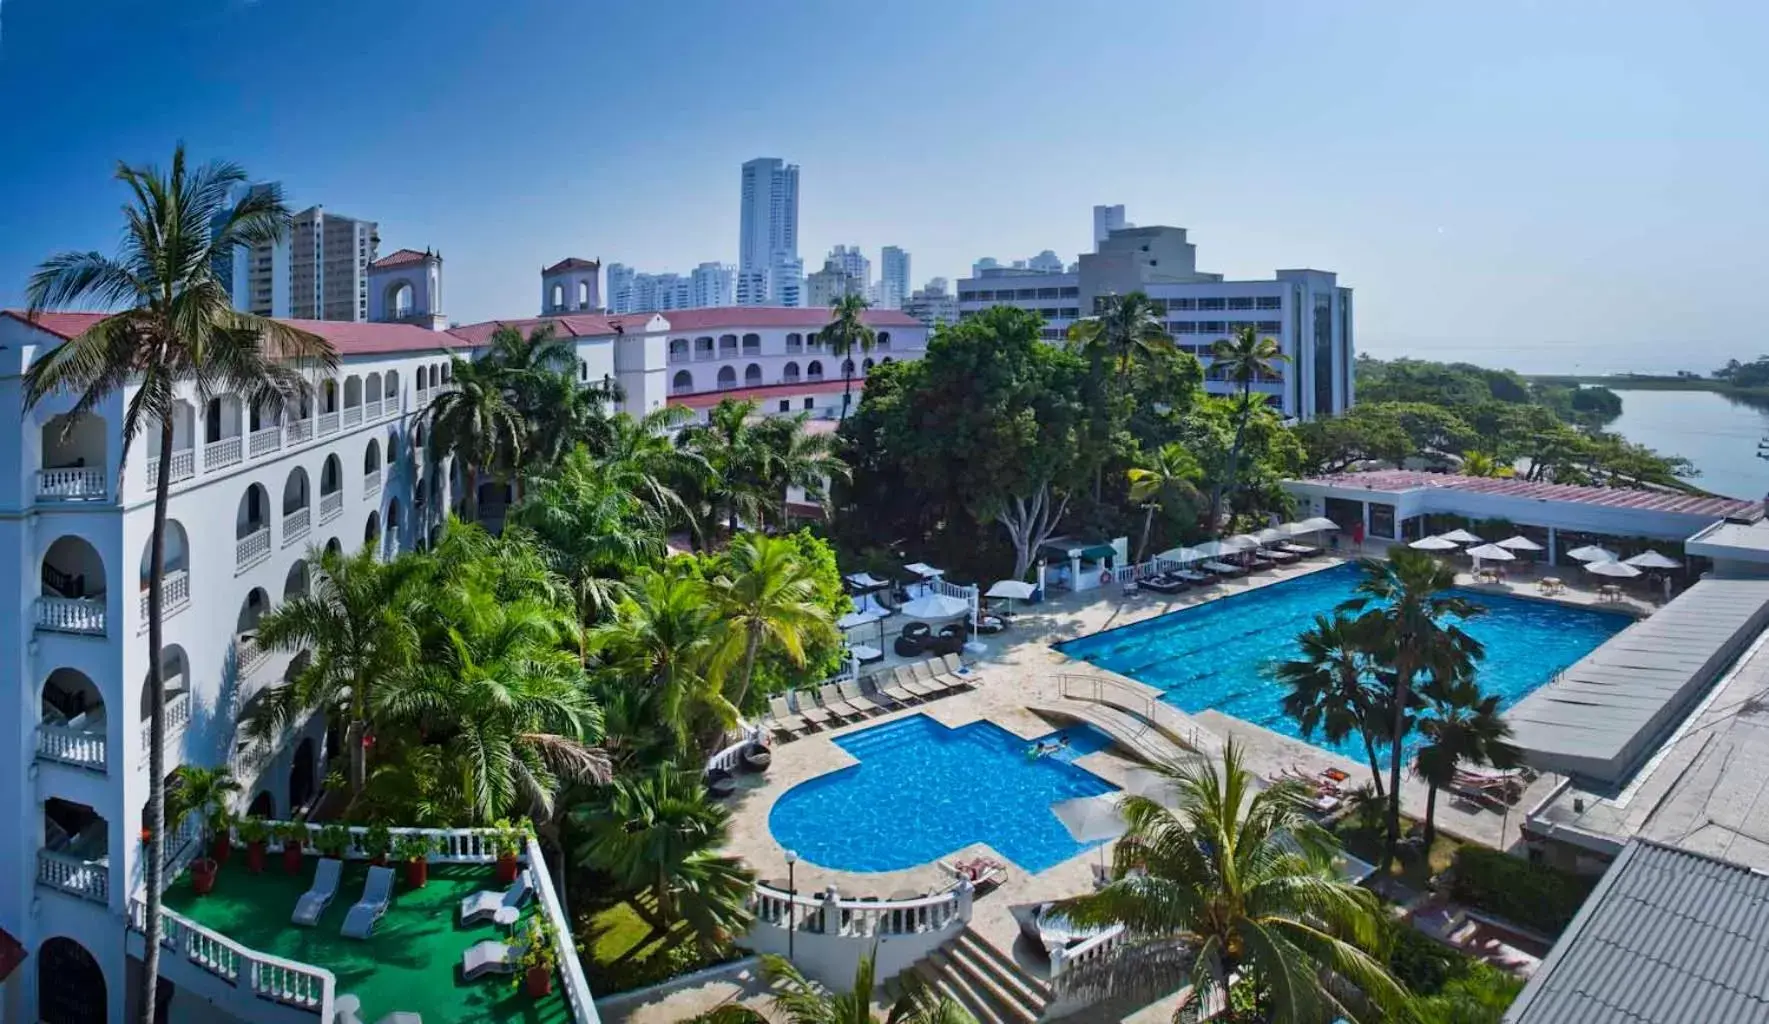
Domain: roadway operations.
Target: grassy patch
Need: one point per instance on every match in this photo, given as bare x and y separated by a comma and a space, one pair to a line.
618, 933
1366, 844
623, 952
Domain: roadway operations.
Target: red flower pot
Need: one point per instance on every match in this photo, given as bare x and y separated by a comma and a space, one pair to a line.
506, 868
417, 873
292, 857
221, 847
540, 982
202, 875
255, 856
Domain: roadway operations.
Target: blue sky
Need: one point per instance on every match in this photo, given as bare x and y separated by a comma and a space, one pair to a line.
1541, 185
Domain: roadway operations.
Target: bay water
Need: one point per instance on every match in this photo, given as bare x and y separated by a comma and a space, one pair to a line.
1717, 433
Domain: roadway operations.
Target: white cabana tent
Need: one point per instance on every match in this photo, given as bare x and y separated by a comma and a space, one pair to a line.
1242, 542
1212, 549
1182, 555
1461, 537
1591, 553
924, 570
1617, 570
1652, 560
1433, 544
1519, 543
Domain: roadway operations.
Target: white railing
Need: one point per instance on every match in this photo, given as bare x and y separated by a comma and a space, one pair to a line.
248, 654
1094, 947
177, 718
371, 411
296, 431
184, 466
330, 505
250, 549
77, 747
296, 524
71, 874
352, 415
371, 483
83, 483
264, 441
571, 968
71, 615
267, 977
1160, 715
174, 595
225, 452
328, 423
447, 845
728, 758
827, 913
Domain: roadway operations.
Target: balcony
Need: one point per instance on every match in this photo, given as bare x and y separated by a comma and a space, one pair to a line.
251, 549
70, 874
184, 466
221, 454
177, 720
371, 484
174, 595
297, 431
296, 525
82, 615
371, 411
69, 745
353, 416
423, 397
248, 654
328, 423
330, 505
263, 442
78, 483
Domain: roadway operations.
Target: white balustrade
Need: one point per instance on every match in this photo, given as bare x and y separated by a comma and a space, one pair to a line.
816, 913
328, 423
174, 595
263, 442
184, 466
296, 431
1094, 947
72, 875
265, 976
177, 718
371, 411
330, 505
352, 415
371, 484
248, 654
222, 453
83, 615
571, 968
81, 483
728, 758
71, 746
251, 549
296, 525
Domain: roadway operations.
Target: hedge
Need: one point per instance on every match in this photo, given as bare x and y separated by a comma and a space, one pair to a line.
1538, 897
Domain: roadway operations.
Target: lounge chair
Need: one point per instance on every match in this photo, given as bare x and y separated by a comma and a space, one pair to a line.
857, 697
1223, 569
377, 892
485, 903
318, 896
933, 678
812, 713
402, 1017
957, 669
1301, 550
1165, 583
489, 957
783, 721
983, 872
1282, 557
886, 686
1194, 577
1259, 562
833, 701
907, 679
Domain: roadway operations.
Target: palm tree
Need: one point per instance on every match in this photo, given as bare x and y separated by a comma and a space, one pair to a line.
847, 333
794, 457
805, 1002
660, 832
175, 324
638, 456
202, 791
1127, 328
1479, 464
1404, 602
1461, 725
476, 422
1167, 473
1329, 691
1243, 357
770, 595
595, 532
356, 625
562, 414
729, 445
1235, 880
664, 636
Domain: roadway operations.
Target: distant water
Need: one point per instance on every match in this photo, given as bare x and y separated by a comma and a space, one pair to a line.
1717, 433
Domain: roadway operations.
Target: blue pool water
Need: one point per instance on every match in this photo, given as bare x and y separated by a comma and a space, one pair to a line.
1219, 655
922, 791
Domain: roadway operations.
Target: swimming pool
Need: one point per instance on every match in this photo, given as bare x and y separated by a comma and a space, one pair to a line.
1219, 655
923, 791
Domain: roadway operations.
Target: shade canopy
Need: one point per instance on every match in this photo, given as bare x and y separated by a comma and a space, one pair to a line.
1017, 590
1619, 570
1492, 552
1270, 535
853, 620
866, 581
1212, 549
1091, 818
1461, 537
1591, 553
1520, 543
1652, 560
924, 570
1241, 542
1152, 785
936, 606
1433, 544
1316, 525
1181, 555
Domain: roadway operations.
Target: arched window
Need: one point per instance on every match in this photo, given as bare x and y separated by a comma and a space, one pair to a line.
558, 299
847, 367
795, 342
885, 360
883, 340
727, 378
727, 345
703, 347
752, 344
583, 295
682, 384
402, 301
814, 371
866, 367
678, 350
790, 374
371, 457
752, 375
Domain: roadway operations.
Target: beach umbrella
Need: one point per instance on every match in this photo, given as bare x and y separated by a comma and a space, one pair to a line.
1652, 560
1433, 544
1520, 543
1016, 590
1591, 553
1493, 552
1315, 525
1182, 555
1461, 537
936, 606
1270, 535
1213, 549
1152, 785
1092, 819
924, 570
1241, 542
1619, 570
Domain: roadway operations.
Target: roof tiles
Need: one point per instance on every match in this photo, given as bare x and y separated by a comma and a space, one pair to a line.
1660, 501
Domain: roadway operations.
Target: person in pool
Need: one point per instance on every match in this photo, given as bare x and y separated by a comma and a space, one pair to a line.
1043, 749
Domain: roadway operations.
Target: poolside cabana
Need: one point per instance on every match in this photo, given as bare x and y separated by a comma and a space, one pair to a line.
865, 589
1078, 563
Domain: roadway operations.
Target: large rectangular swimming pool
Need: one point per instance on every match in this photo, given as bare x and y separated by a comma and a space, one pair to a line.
1219, 655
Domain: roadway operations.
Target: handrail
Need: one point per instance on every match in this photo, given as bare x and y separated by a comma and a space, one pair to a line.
571, 968
828, 913
289, 982
726, 759
1164, 717
450, 846
1093, 947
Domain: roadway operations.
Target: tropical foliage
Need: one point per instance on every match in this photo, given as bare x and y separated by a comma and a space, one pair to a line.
802, 1001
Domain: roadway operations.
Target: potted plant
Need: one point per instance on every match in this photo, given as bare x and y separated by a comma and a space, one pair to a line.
538, 960
333, 840
203, 792
292, 834
414, 848
376, 842
255, 833
508, 840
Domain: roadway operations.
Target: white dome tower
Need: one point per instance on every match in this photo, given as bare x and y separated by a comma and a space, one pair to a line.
571, 286
406, 288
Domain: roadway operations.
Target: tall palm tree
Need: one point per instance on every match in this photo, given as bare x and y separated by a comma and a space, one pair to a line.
1331, 691
1406, 602
663, 635
355, 623
561, 414
175, 324
769, 596
1461, 725
1170, 472
805, 1002
729, 445
201, 791
1124, 330
791, 456
638, 455
1236, 880
595, 532
476, 422
1243, 357
846, 334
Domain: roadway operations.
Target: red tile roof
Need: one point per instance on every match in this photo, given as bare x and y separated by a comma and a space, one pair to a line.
573, 263
774, 316
571, 325
348, 338
401, 258
1394, 480
708, 399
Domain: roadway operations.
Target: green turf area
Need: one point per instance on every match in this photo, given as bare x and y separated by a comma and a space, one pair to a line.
411, 962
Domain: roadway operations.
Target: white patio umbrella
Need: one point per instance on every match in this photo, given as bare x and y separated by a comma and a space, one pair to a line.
1519, 543
936, 606
1433, 544
1492, 552
1591, 553
1270, 535
1315, 525
1012, 590
1652, 560
1241, 542
1214, 549
1460, 537
1619, 570
1182, 555
1091, 819
1152, 785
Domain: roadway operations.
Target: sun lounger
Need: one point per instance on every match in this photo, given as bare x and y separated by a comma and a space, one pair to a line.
886, 686
1259, 562
905, 679
934, 678
489, 957
983, 872
485, 903
833, 701
782, 720
1223, 568
402, 1017
956, 671
1282, 557
812, 713
377, 892
860, 698
318, 897
1195, 577
1166, 583
1300, 550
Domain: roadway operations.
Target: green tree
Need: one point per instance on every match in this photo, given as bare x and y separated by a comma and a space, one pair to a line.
204, 792
1408, 602
1168, 474
769, 597
846, 334
639, 456
1332, 689
476, 422
594, 531
1127, 329
1236, 880
1243, 358
1461, 725
804, 1002
175, 324
730, 445
792, 456
663, 636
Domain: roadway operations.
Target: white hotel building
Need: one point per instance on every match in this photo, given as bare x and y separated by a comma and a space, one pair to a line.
347, 468
1306, 311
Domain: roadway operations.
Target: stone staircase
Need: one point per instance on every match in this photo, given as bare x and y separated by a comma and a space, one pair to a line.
984, 981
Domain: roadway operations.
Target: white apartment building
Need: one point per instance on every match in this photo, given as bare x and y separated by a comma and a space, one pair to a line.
346, 468
934, 304
318, 271
713, 285
1306, 311
706, 286
1107, 219
769, 269
893, 277
824, 287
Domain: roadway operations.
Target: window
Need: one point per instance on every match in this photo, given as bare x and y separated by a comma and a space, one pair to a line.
1182, 304
678, 350
1049, 312
1269, 326
727, 378
884, 340
967, 296
1026, 293
683, 383
1212, 327
1071, 312
752, 344
1323, 377
752, 375
1241, 302
1182, 327
1048, 293
1210, 304
795, 342
727, 344
1071, 293
786, 405
790, 373
814, 371
1269, 302
810, 403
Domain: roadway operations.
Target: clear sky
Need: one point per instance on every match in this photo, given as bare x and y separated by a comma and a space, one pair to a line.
1540, 185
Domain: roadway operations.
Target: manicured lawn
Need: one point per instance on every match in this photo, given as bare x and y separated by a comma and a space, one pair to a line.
621, 952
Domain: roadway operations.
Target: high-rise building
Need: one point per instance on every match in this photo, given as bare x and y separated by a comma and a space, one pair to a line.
934, 304
714, 284
768, 227
317, 271
620, 282
709, 285
829, 284
1046, 262
852, 262
893, 277
1107, 219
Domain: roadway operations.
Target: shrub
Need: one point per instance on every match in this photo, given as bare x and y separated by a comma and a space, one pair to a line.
1451, 988
1533, 895
1420, 962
